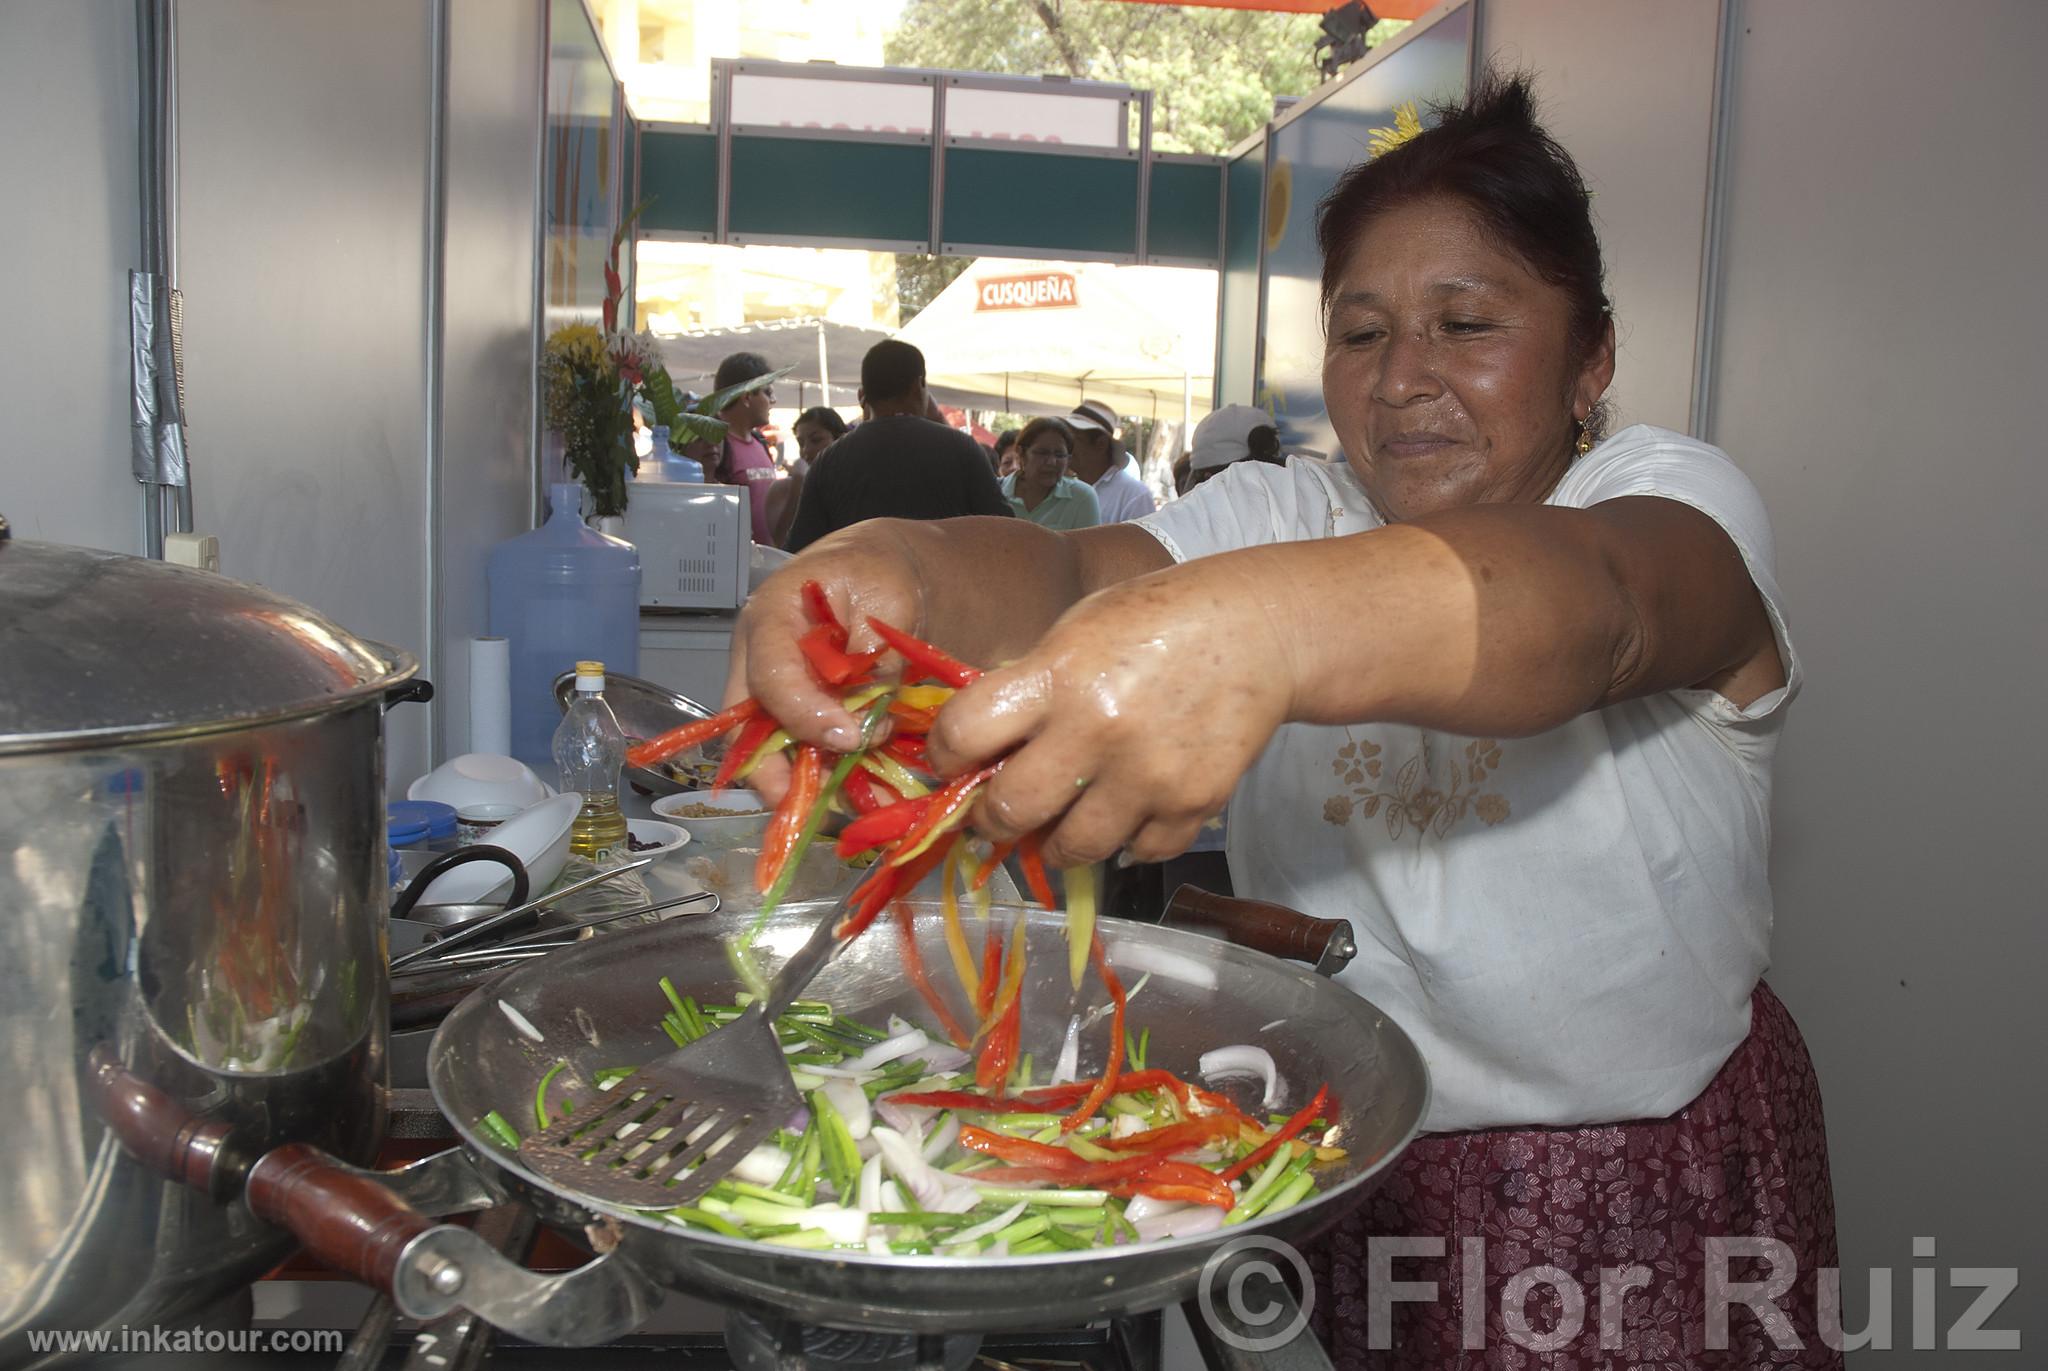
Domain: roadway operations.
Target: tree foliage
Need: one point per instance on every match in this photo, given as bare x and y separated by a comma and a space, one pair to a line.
1213, 73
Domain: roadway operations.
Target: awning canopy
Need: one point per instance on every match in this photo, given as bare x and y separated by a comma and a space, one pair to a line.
1046, 335
693, 356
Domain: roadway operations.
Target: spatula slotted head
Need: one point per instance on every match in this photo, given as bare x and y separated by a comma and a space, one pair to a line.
674, 1128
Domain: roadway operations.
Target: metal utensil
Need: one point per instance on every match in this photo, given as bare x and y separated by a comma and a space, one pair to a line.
543, 937
681, 1123
469, 933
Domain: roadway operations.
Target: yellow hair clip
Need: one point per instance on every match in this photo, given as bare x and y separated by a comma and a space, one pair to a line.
1407, 124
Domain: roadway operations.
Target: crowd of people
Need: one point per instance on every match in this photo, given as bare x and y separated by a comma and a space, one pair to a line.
903, 460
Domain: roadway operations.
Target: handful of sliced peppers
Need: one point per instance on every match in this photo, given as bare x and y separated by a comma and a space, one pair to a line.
913, 821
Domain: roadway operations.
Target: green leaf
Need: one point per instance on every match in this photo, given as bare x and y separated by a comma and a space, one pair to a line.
717, 400
689, 425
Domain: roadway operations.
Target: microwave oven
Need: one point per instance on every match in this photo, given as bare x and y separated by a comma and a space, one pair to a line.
695, 544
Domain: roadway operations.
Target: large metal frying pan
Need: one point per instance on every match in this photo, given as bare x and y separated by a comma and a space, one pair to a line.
600, 1005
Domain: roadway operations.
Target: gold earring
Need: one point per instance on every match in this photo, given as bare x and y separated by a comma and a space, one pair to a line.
1585, 443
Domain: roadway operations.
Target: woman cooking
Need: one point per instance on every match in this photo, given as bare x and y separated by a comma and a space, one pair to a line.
1500, 690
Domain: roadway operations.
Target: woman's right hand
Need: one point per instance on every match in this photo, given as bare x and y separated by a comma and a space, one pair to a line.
867, 569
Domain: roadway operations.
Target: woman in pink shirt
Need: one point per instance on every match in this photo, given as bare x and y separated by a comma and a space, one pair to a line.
743, 459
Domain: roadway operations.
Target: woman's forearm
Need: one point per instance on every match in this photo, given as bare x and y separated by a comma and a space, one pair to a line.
1511, 619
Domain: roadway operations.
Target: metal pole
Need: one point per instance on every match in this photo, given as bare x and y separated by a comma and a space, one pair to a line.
824, 374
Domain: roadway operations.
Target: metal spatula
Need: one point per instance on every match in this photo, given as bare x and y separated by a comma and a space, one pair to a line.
706, 1105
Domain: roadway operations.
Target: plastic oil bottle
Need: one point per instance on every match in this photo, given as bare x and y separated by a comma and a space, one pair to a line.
589, 749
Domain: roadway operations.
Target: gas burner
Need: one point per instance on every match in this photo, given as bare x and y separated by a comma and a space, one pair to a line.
758, 1344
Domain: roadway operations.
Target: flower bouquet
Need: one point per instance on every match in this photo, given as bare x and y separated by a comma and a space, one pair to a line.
589, 380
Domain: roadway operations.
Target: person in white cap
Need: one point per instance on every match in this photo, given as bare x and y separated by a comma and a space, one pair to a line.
1100, 462
1231, 434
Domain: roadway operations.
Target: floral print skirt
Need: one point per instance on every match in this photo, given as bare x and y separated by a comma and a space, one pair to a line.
1653, 1244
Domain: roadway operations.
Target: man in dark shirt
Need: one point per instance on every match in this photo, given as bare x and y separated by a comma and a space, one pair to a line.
898, 464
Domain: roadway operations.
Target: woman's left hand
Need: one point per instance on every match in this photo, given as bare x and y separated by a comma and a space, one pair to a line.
1135, 715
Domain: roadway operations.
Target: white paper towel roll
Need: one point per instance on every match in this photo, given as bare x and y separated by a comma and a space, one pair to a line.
490, 696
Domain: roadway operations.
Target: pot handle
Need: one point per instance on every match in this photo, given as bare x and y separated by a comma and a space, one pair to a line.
354, 1222
448, 861
1325, 944
416, 690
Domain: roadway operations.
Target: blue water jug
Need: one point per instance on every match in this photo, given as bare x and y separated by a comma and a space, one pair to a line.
676, 468
560, 594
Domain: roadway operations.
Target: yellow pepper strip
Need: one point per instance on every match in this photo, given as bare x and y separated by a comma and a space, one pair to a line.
770, 745
862, 698
984, 900
1080, 882
925, 696
894, 774
956, 937
1013, 975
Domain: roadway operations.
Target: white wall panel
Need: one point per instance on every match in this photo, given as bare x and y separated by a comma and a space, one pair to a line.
1880, 373
1627, 86
492, 151
67, 160
304, 139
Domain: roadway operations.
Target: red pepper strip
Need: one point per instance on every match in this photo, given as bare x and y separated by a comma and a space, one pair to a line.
924, 660
1185, 1191
824, 647
1013, 981
995, 859
1283, 1133
906, 747
912, 718
1177, 1137
1023, 1151
1104, 1087
1034, 870
961, 1101
913, 967
948, 810
689, 735
991, 973
806, 780
820, 609
859, 789
1000, 1051
868, 901
1125, 1176
883, 826
752, 734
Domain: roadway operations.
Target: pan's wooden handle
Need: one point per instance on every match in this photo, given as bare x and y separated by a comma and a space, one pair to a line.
344, 1218
163, 1134
1277, 931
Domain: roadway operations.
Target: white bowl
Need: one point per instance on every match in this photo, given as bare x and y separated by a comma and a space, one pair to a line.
741, 830
667, 837
539, 837
481, 778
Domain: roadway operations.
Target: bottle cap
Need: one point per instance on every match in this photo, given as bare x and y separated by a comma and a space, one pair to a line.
590, 676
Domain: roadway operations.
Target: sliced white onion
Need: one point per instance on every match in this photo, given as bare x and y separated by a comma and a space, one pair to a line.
522, 1023
1127, 1125
1244, 1060
870, 1192
957, 1201
791, 1049
943, 1057
892, 1197
888, 1050
1191, 1222
990, 1226
878, 1246
1161, 961
762, 1166
902, 1160
1145, 1207
852, 1103
1069, 1064
941, 1138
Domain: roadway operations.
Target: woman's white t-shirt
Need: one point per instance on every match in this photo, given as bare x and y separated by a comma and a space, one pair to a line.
1570, 924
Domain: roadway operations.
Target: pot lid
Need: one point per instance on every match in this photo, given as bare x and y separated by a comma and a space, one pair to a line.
98, 649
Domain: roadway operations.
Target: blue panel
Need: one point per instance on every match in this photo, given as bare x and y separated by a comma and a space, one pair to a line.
1237, 329
1041, 204
1309, 155
679, 181
1181, 216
